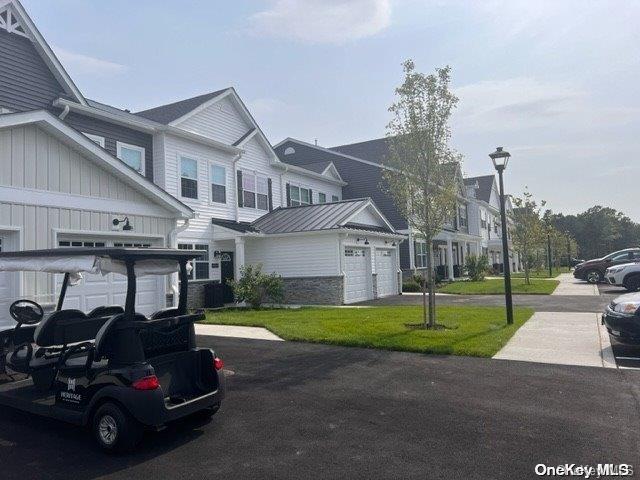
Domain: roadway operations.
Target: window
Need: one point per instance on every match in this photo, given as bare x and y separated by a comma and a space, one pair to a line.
200, 270
80, 243
462, 214
322, 197
421, 254
188, 177
299, 196
622, 256
218, 184
95, 138
483, 219
132, 155
137, 245
335, 198
255, 191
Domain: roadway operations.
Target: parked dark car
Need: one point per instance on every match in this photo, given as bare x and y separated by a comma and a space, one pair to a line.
593, 270
622, 318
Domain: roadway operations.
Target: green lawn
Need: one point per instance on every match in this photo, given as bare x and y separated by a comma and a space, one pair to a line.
542, 273
495, 286
474, 331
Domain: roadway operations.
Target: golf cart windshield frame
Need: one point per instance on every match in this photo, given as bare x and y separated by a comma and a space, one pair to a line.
127, 255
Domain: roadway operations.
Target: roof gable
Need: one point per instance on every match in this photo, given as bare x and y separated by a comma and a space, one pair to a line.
175, 111
89, 149
17, 21
486, 184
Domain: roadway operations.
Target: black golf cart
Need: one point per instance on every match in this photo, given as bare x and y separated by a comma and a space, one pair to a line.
112, 369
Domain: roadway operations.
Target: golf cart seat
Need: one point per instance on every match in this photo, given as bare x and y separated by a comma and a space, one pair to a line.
105, 311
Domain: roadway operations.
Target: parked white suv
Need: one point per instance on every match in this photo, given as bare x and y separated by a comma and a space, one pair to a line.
626, 275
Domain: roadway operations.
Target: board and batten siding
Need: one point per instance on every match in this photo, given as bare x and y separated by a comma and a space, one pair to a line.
295, 256
33, 160
220, 121
26, 83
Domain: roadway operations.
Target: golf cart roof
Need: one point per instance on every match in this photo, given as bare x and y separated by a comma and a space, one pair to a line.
147, 261
116, 253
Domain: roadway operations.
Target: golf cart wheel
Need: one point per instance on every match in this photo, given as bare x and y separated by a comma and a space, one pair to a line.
632, 283
594, 276
115, 430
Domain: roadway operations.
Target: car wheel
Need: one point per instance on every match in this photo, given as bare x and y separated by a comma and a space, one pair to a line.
632, 283
593, 276
115, 430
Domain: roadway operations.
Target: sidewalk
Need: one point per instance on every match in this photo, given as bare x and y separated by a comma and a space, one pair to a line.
572, 286
563, 338
256, 333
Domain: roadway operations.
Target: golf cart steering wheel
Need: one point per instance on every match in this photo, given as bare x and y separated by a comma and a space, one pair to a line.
26, 312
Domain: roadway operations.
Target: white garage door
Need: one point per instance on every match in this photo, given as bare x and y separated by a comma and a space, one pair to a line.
96, 290
7, 293
357, 278
387, 279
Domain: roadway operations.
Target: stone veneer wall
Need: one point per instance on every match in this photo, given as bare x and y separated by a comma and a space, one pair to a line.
314, 290
195, 295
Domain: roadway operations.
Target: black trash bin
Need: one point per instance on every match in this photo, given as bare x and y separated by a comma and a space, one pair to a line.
213, 295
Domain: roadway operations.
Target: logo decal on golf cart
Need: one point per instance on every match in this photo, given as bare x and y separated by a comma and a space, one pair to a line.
71, 384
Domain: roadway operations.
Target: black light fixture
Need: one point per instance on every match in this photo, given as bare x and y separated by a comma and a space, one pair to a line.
366, 241
126, 227
393, 244
500, 158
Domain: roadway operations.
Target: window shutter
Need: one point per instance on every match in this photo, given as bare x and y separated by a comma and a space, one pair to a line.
310, 196
240, 188
415, 254
288, 195
270, 194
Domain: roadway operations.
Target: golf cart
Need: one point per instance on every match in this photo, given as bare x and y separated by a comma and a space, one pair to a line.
112, 369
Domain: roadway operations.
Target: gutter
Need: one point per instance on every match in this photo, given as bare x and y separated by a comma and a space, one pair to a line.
173, 243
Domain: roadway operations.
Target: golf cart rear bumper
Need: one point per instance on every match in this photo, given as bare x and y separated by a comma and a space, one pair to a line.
151, 408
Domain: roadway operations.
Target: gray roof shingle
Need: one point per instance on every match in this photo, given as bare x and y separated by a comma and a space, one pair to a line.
485, 185
172, 111
307, 218
376, 150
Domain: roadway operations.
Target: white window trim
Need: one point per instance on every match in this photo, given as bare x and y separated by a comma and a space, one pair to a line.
97, 139
255, 176
197, 179
120, 145
420, 254
300, 187
226, 187
193, 244
325, 197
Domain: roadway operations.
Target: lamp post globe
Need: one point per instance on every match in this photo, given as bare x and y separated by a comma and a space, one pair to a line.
500, 159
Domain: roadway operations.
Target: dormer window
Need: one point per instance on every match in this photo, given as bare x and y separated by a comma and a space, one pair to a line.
132, 155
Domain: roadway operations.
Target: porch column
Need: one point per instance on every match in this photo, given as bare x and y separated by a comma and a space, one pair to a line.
449, 259
239, 260
463, 255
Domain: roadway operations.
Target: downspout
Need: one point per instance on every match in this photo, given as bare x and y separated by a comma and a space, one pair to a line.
173, 243
235, 180
64, 113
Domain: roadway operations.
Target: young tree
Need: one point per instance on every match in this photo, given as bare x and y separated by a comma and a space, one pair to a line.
529, 233
421, 178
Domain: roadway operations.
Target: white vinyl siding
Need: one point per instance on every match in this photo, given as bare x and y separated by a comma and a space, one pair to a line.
317, 186
296, 256
132, 155
35, 161
220, 121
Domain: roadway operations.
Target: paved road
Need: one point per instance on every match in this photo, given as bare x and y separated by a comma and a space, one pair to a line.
541, 303
314, 411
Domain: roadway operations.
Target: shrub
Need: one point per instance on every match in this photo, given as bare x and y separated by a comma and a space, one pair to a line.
255, 287
477, 267
411, 286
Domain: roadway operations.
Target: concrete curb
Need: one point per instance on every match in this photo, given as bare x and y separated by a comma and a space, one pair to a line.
606, 351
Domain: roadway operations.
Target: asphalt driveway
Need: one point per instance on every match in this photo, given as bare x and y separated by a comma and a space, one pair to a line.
299, 410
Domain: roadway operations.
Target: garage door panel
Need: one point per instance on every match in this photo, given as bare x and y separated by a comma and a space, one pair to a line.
357, 277
386, 278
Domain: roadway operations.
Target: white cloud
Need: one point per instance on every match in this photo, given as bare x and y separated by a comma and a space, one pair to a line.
323, 21
527, 103
79, 64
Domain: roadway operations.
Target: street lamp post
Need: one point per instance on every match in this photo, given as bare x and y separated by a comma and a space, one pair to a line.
549, 253
500, 158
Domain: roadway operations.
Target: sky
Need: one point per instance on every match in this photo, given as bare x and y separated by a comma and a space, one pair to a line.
557, 83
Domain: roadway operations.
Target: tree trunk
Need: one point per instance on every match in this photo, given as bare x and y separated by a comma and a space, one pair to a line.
432, 291
425, 318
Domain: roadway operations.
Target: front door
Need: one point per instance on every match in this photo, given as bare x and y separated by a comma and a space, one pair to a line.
226, 273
